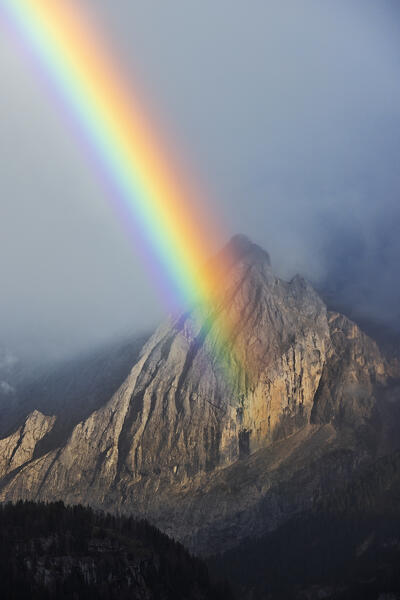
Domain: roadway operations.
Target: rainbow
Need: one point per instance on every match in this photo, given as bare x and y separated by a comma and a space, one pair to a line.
149, 190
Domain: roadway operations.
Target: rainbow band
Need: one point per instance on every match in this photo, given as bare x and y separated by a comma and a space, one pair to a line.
150, 192
118, 130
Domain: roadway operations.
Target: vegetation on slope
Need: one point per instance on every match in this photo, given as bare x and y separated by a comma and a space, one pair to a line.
50, 551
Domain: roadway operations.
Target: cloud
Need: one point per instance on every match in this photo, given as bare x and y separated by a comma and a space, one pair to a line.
8, 360
6, 388
286, 113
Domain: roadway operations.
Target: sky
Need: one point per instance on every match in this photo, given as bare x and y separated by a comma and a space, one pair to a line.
286, 112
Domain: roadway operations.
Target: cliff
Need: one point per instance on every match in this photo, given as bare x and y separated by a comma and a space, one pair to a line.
211, 459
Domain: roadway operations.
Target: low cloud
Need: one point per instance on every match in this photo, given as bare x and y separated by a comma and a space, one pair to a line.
6, 388
286, 113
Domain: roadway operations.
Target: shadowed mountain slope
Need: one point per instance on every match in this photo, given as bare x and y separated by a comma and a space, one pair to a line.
347, 547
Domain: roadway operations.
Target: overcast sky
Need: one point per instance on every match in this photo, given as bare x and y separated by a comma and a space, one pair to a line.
286, 111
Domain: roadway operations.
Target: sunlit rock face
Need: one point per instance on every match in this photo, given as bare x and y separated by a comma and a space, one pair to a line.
18, 448
214, 452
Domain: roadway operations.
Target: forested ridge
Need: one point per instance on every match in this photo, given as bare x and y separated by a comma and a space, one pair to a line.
56, 551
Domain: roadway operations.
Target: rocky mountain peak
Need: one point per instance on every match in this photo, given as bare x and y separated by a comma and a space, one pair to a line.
241, 248
234, 261
182, 431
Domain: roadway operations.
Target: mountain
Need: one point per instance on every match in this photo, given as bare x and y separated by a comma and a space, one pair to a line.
69, 390
213, 451
56, 552
347, 547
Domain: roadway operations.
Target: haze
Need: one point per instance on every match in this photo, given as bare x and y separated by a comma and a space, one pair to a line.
287, 113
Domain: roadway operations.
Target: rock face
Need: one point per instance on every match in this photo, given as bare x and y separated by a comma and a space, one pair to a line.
18, 448
212, 451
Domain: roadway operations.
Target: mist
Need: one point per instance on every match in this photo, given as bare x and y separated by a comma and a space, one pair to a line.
287, 113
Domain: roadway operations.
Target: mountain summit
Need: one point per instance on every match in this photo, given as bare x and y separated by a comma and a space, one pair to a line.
212, 459
241, 248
